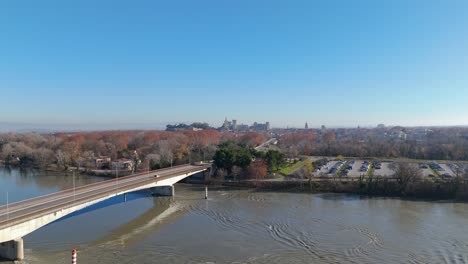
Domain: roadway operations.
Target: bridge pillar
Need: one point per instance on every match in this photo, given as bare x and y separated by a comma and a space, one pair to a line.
163, 190
12, 250
212, 171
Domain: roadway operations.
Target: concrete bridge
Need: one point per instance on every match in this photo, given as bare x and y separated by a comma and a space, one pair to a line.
21, 218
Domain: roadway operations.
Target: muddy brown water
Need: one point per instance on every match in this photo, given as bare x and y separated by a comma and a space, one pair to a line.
242, 226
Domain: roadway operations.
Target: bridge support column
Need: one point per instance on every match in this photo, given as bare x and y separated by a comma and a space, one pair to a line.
12, 250
163, 190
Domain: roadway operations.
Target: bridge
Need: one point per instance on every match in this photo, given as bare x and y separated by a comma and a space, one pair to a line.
22, 218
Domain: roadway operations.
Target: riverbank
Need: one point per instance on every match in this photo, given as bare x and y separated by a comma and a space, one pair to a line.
450, 190
69, 171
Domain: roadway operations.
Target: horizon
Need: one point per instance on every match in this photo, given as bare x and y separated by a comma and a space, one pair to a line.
146, 64
47, 128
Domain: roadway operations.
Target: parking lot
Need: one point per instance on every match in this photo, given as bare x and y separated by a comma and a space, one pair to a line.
385, 170
447, 170
356, 168
463, 167
325, 169
425, 170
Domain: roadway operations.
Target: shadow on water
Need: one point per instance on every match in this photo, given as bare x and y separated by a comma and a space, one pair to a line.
163, 212
119, 199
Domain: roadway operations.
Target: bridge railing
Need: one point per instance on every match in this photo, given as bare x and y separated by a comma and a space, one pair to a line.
68, 202
42, 197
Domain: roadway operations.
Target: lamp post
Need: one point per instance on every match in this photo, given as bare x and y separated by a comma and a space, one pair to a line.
7, 204
117, 176
73, 188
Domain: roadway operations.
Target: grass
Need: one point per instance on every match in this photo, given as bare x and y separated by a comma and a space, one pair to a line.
435, 172
293, 167
371, 170
342, 168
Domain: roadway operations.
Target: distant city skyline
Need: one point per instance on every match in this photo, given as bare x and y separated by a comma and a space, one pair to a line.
46, 128
144, 64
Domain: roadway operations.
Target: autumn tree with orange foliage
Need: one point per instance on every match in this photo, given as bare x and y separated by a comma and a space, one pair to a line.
257, 169
253, 139
298, 143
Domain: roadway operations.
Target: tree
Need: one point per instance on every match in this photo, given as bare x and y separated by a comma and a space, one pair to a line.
406, 175
237, 172
43, 157
231, 154
275, 160
7, 153
257, 169
88, 161
329, 138
252, 139
153, 161
62, 159
243, 158
225, 159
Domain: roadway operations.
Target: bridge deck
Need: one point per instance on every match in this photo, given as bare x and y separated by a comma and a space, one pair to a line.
25, 210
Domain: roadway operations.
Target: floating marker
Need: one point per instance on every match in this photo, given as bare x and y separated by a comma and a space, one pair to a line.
74, 256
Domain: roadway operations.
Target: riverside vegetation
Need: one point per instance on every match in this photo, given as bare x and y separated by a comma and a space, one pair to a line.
234, 156
406, 184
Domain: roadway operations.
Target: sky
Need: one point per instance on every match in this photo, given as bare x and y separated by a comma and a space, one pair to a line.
112, 64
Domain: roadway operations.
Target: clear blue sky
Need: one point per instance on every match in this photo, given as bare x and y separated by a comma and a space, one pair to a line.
111, 63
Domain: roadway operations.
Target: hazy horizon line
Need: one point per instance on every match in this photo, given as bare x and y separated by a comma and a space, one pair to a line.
83, 127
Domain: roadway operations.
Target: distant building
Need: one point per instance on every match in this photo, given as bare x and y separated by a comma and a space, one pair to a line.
419, 134
397, 134
380, 126
229, 125
102, 162
242, 128
260, 127
233, 126
122, 164
306, 126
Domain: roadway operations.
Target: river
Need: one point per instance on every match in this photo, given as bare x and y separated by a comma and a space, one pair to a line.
242, 226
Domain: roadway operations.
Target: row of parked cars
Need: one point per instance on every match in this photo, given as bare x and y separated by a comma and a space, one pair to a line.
365, 166
322, 165
377, 165
336, 167
437, 168
458, 168
348, 168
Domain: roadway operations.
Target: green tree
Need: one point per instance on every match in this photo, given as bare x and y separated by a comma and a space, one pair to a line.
275, 160
231, 154
243, 158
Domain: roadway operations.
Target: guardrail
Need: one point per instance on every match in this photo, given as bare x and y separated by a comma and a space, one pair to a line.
43, 197
115, 188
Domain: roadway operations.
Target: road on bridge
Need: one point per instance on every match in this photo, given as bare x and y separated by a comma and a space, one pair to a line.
22, 211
